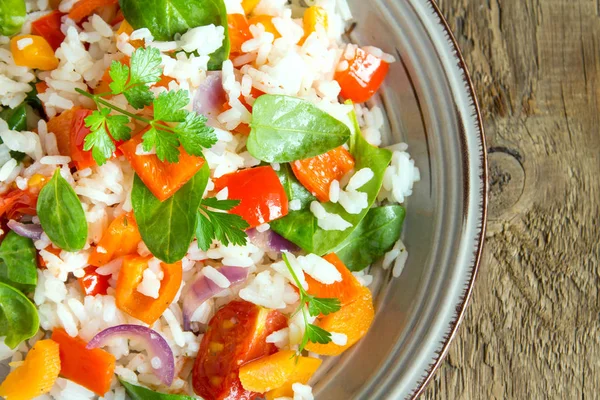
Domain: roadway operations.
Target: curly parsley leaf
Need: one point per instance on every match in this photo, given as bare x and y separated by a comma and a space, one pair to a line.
165, 143
221, 226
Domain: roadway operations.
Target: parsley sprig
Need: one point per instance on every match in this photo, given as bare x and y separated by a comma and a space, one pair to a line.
314, 306
224, 227
171, 126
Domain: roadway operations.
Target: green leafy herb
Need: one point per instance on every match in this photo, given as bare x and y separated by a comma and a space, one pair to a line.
168, 227
61, 214
18, 317
373, 237
17, 121
301, 228
12, 16
316, 306
141, 393
19, 265
221, 226
166, 18
286, 129
171, 127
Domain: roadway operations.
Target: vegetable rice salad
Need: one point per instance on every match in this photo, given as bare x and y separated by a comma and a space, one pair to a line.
192, 196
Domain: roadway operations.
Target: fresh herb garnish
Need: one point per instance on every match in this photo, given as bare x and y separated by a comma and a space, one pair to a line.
12, 16
19, 319
224, 227
136, 392
316, 306
61, 214
18, 267
171, 126
287, 128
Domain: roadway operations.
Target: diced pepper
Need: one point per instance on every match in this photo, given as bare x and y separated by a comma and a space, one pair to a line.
248, 5
54, 4
36, 55
313, 17
353, 320
120, 239
41, 87
36, 375
48, 27
18, 202
61, 125
267, 22
272, 372
93, 283
262, 197
49, 249
317, 173
91, 368
239, 32
37, 182
81, 158
304, 369
163, 179
118, 18
136, 304
363, 77
85, 8
128, 29
347, 290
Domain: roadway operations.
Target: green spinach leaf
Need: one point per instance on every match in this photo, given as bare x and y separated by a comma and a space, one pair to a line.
293, 188
61, 214
17, 121
19, 262
300, 227
287, 129
12, 16
165, 18
141, 393
373, 237
18, 317
168, 227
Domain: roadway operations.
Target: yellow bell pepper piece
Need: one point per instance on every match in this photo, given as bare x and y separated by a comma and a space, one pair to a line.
314, 16
33, 51
36, 375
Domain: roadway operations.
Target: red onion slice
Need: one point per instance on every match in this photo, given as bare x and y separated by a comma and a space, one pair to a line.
154, 344
31, 231
203, 289
210, 97
270, 241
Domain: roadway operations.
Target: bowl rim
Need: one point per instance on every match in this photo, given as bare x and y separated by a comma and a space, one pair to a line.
460, 312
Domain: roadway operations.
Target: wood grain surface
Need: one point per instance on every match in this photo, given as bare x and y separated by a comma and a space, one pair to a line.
532, 330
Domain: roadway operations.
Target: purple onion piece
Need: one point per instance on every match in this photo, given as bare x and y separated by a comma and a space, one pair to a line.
270, 241
31, 231
155, 345
203, 289
210, 97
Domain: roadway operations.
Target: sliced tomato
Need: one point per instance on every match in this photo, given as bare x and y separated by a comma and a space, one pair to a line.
18, 202
262, 197
235, 336
48, 27
363, 77
93, 283
239, 32
317, 173
162, 178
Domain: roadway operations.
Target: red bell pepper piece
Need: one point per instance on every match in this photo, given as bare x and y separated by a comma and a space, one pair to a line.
48, 27
363, 77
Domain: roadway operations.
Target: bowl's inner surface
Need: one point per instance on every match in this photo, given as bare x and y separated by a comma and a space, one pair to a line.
429, 107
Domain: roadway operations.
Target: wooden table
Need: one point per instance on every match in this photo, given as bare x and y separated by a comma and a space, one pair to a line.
532, 330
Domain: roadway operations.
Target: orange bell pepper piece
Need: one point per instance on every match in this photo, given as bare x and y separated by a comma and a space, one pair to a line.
239, 32
304, 370
128, 29
120, 239
267, 22
60, 125
140, 306
36, 375
37, 55
347, 290
163, 179
91, 368
85, 8
317, 173
353, 320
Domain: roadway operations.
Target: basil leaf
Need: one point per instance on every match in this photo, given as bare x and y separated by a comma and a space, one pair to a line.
166, 18
61, 214
17, 121
294, 189
300, 227
19, 262
287, 129
141, 393
12, 16
373, 237
168, 228
18, 317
